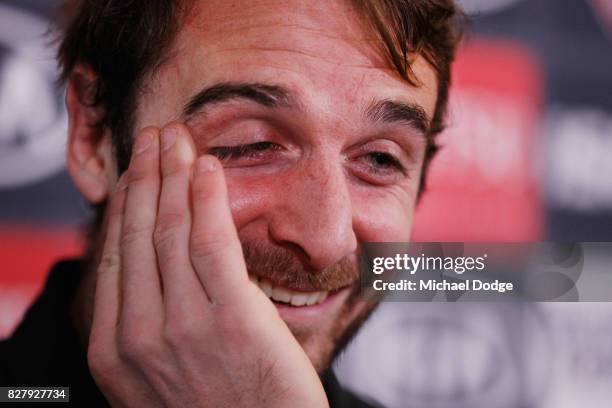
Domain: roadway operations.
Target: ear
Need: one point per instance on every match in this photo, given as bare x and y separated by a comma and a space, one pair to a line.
89, 155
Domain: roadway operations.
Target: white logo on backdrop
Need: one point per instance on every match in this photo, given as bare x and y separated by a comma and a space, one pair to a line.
450, 355
32, 115
579, 170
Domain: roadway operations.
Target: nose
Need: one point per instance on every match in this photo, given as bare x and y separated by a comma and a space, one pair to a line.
314, 216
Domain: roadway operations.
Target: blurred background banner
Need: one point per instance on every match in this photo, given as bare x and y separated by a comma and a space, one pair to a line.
40, 211
485, 184
527, 156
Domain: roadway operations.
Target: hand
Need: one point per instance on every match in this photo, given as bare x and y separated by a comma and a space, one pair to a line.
177, 322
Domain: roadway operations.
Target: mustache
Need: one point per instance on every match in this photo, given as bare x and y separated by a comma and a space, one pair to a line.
283, 267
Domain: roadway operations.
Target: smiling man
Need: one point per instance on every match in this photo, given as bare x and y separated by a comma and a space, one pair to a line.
237, 154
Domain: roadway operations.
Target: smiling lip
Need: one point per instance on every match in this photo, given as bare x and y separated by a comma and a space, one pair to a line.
288, 296
296, 306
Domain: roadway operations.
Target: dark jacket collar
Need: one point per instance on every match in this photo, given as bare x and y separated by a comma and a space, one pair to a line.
44, 350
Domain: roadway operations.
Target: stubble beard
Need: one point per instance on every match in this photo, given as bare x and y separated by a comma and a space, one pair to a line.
321, 344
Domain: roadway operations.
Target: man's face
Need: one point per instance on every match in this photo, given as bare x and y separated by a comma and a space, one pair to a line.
332, 140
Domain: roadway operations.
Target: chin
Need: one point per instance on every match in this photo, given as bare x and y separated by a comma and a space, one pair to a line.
323, 342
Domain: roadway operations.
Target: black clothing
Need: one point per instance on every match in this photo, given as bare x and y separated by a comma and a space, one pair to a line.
45, 351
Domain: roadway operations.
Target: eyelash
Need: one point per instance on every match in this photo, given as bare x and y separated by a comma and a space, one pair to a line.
226, 153
391, 161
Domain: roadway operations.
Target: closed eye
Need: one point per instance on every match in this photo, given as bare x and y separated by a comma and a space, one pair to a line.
248, 151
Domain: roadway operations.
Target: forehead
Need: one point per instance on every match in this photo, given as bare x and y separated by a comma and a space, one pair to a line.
321, 51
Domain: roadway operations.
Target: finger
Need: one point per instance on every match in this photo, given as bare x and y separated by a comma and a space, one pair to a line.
102, 356
142, 300
216, 252
183, 292
108, 295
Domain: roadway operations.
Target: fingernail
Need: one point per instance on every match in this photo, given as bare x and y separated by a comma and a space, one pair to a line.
142, 142
206, 164
168, 137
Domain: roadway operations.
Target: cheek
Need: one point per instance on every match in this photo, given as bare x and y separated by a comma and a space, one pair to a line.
250, 198
382, 217
378, 216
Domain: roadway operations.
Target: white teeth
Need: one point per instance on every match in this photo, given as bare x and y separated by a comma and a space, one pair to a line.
281, 294
285, 295
300, 300
312, 299
266, 287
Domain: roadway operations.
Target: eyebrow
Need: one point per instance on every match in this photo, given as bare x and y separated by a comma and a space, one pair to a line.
270, 96
274, 96
388, 111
